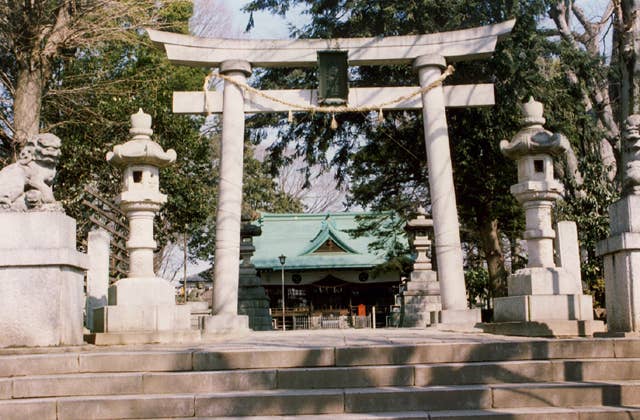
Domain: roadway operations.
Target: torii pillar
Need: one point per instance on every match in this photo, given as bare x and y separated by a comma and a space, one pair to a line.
228, 216
443, 196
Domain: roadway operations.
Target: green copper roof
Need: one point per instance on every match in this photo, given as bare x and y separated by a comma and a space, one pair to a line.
302, 238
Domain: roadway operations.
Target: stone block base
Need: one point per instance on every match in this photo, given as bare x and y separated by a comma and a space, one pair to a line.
622, 277
420, 319
226, 324
142, 318
156, 337
543, 308
460, 317
617, 334
543, 281
41, 280
142, 292
421, 301
41, 306
253, 301
550, 328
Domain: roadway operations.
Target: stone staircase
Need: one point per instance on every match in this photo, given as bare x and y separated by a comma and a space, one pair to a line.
521, 379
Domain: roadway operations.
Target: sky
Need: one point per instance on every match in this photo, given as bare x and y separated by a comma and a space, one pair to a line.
267, 26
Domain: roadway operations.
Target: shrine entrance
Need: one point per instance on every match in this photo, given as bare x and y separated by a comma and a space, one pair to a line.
429, 55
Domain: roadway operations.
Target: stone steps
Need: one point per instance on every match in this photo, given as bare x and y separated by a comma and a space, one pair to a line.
201, 359
513, 372
531, 413
331, 401
519, 379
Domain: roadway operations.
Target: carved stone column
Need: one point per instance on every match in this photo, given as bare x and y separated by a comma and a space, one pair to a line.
621, 250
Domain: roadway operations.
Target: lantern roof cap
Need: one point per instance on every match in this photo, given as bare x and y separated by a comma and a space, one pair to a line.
533, 138
421, 221
141, 149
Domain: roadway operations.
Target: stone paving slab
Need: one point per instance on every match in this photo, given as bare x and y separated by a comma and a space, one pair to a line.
206, 382
340, 377
300, 339
77, 384
605, 393
123, 407
264, 358
270, 403
6, 386
534, 413
41, 409
487, 373
147, 361
371, 400
27, 364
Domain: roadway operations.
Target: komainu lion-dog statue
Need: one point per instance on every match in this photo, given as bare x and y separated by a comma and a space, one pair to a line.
26, 184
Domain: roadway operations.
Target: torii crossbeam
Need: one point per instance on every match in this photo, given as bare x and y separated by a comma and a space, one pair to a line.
427, 53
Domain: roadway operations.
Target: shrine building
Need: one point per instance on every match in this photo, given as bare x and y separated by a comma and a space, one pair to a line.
327, 271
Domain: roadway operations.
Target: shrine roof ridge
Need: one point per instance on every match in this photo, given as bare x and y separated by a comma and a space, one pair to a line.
296, 235
455, 45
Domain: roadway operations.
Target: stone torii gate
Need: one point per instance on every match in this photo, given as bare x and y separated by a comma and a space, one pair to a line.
427, 53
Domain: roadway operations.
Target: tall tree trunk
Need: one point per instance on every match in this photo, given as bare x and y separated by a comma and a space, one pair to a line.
630, 58
492, 248
27, 103
34, 70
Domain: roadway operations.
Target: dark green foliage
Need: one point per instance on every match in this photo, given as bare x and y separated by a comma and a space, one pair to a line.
89, 105
385, 162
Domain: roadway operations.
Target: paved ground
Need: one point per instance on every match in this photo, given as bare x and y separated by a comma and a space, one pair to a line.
300, 339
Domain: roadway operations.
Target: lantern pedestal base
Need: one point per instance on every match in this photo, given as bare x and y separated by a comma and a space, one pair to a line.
142, 318
421, 300
226, 324
548, 328
460, 317
142, 305
156, 337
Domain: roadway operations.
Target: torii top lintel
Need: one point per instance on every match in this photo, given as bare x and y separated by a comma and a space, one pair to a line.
465, 44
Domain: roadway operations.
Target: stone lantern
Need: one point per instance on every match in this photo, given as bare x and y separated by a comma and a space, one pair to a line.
421, 300
533, 148
544, 298
140, 199
142, 301
252, 299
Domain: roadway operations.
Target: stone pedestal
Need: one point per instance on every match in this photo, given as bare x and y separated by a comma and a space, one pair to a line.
421, 301
142, 304
539, 294
621, 252
41, 278
225, 324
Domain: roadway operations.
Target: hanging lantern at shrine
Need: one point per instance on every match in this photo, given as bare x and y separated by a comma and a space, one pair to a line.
333, 78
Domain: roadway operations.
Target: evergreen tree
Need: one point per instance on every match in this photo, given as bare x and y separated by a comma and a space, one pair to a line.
385, 161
